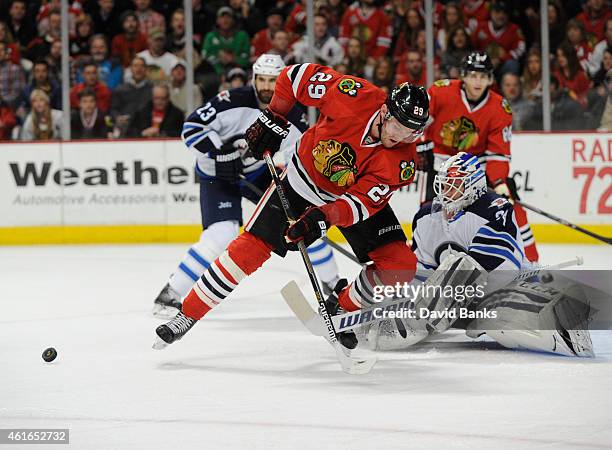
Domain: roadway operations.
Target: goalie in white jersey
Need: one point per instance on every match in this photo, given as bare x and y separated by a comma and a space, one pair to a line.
467, 223
215, 134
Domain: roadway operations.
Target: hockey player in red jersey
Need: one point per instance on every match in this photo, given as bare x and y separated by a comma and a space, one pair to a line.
346, 168
468, 116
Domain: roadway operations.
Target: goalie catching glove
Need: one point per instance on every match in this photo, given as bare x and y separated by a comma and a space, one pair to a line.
266, 133
312, 225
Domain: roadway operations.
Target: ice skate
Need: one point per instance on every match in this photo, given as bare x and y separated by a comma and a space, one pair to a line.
346, 338
173, 330
167, 304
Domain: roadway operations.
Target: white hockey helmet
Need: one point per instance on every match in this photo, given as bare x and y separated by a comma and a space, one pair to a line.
268, 64
459, 182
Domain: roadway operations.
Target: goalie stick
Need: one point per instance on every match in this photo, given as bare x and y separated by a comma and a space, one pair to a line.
350, 320
349, 365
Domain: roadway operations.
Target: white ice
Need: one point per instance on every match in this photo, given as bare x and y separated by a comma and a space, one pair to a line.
250, 377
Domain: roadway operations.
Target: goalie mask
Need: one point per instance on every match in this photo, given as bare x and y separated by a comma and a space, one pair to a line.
459, 183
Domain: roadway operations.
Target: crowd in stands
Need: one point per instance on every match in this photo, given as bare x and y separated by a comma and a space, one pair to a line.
128, 70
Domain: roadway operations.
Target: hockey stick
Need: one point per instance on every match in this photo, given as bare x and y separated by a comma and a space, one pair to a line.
350, 320
349, 365
599, 237
328, 241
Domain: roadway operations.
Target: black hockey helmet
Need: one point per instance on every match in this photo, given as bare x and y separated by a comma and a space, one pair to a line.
409, 104
477, 62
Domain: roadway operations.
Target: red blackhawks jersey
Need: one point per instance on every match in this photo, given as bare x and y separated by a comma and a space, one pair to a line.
334, 162
510, 38
373, 28
484, 130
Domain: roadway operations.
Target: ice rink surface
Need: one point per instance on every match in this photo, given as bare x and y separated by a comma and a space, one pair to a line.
250, 377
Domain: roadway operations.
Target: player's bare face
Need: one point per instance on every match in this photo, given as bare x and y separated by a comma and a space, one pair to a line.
475, 84
393, 133
264, 85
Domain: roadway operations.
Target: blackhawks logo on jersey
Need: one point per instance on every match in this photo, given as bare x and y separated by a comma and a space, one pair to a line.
406, 170
349, 86
442, 83
460, 133
506, 106
336, 162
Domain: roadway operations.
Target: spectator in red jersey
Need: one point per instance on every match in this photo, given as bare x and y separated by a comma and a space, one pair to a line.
43, 123
79, 43
262, 41
91, 81
457, 48
149, 19
12, 78
451, 20
383, 76
501, 31
355, 60
556, 24
158, 118
407, 36
296, 22
8, 120
14, 53
415, 69
131, 41
40, 46
594, 18
595, 60
88, 122
532, 75
370, 24
475, 12
23, 30
575, 36
570, 74
44, 13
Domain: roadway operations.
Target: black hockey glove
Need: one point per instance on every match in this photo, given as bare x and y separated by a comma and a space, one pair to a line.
506, 188
309, 227
425, 156
266, 133
228, 163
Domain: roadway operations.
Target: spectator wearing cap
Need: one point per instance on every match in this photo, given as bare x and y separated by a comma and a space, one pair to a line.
594, 62
178, 88
505, 34
226, 46
262, 41
158, 118
130, 96
327, 49
247, 18
12, 78
43, 123
594, 18
8, 120
106, 17
236, 78
91, 81
88, 122
22, 29
175, 39
41, 79
110, 71
130, 41
156, 54
149, 20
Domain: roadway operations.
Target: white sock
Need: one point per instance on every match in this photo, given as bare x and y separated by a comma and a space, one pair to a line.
324, 262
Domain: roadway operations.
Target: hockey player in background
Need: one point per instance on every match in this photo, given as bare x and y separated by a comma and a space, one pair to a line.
215, 133
468, 116
465, 221
347, 167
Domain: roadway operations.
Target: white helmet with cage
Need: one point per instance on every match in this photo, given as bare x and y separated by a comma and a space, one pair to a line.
268, 64
459, 182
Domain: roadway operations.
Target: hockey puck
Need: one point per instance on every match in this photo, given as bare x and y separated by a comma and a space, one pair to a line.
546, 277
50, 354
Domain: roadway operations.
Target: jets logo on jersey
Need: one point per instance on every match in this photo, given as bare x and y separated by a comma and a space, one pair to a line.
506, 106
335, 161
406, 170
224, 96
460, 133
498, 202
349, 86
442, 83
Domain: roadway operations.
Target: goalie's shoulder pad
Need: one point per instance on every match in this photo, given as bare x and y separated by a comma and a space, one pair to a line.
495, 209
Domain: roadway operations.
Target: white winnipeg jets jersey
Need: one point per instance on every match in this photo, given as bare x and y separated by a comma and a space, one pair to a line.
224, 119
486, 231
